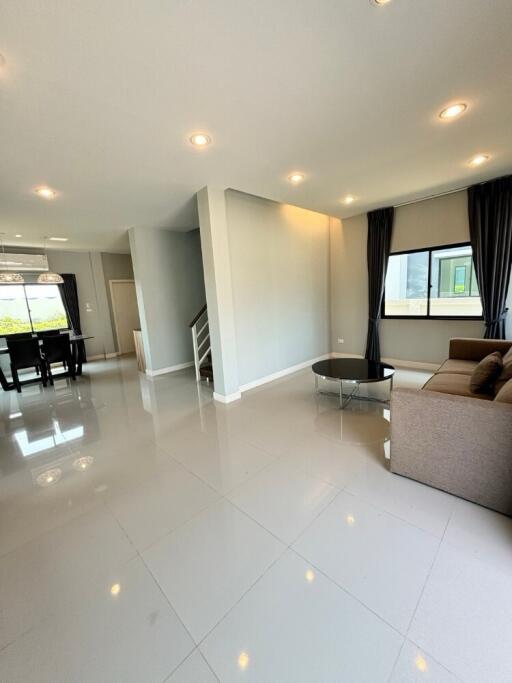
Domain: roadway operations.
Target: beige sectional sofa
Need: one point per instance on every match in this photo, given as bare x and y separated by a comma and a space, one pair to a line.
446, 436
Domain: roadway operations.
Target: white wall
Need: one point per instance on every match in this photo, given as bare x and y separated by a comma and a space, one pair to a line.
170, 291
429, 223
280, 280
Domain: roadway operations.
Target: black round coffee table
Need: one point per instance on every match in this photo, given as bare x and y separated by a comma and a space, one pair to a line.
354, 370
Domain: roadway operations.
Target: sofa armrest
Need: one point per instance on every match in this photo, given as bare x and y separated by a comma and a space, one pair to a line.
458, 444
465, 348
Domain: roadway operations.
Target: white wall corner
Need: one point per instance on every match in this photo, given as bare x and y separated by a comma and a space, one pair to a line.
229, 398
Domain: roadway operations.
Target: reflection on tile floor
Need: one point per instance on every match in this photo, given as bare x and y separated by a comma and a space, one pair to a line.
150, 534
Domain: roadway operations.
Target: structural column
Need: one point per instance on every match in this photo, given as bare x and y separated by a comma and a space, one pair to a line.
213, 226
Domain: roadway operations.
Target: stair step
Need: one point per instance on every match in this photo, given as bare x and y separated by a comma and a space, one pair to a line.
206, 371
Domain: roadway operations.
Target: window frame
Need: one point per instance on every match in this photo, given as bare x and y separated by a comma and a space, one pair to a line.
28, 284
429, 286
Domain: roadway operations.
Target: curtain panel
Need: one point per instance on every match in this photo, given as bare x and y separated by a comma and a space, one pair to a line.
69, 293
490, 228
380, 228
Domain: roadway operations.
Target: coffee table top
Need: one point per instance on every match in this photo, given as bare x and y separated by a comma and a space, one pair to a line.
355, 369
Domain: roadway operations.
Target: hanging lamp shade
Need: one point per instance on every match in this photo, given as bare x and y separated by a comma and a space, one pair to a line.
50, 278
9, 278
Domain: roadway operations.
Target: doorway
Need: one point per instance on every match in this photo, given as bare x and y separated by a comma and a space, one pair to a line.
126, 314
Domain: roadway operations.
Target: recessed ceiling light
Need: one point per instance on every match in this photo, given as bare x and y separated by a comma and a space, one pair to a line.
349, 199
45, 192
18, 235
478, 159
379, 3
453, 111
296, 178
200, 139
115, 589
58, 239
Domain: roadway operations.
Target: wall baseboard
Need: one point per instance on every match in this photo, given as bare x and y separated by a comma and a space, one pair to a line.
396, 362
282, 373
228, 398
171, 368
412, 364
103, 356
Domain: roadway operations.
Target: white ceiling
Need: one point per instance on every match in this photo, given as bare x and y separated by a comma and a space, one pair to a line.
98, 99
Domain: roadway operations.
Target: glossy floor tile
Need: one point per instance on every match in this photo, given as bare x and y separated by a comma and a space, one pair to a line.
296, 625
133, 635
379, 559
206, 565
416, 666
193, 670
283, 499
463, 618
148, 533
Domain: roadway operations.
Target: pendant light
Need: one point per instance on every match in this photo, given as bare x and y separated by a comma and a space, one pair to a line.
9, 277
49, 278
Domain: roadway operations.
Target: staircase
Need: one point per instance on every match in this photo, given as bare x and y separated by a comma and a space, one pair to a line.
202, 347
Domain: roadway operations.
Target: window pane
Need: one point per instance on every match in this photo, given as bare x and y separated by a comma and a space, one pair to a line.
14, 317
454, 288
46, 307
407, 284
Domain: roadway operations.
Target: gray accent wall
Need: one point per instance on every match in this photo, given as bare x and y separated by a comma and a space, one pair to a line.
169, 282
280, 272
94, 315
434, 222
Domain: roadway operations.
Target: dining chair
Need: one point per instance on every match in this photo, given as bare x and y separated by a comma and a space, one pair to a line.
20, 335
57, 349
24, 353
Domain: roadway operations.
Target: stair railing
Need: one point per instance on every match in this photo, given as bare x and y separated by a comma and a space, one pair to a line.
200, 339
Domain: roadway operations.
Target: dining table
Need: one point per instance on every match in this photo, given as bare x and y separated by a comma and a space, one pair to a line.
74, 339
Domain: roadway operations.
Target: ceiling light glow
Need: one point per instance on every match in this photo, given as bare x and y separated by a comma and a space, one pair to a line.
58, 239
115, 589
453, 111
200, 139
45, 192
421, 664
243, 661
296, 178
83, 463
478, 159
49, 477
349, 199
380, 3
310, 576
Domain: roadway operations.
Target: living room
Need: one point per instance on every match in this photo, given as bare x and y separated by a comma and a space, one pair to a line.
304, 473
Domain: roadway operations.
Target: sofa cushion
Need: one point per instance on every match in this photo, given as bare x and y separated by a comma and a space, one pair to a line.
506, 373
486, 373
504, 395
454, 383
462, 367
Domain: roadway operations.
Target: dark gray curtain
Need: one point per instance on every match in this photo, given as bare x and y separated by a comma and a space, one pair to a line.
69, 293
380, 227
490, 228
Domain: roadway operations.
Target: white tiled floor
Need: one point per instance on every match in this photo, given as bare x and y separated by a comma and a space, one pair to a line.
148, 534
